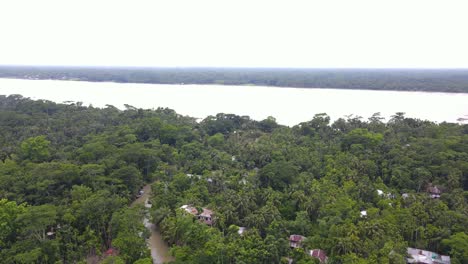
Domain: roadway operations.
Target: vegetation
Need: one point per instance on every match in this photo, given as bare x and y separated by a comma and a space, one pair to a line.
69, 172
432, 80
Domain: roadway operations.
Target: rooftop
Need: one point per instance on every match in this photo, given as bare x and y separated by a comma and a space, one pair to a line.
426, 257
296, 238
206, 212
190, 209
320, 254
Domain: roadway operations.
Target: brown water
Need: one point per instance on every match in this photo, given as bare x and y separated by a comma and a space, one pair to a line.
159, 248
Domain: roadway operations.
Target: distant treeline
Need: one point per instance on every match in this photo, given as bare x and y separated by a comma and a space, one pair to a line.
432, 80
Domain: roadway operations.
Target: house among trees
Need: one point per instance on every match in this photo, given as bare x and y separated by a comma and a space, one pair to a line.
420, 256
295, 241
363, 213
205, 216
319, 254
190, 209
433, 191
50, 234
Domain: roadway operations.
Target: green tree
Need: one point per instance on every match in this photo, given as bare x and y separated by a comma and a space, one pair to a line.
216, 140
144, 261
35, 149
113, 260
278, 174
9, 211
457, 246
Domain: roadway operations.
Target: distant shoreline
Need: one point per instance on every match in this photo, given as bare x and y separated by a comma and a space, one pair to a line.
240, 85
415, 80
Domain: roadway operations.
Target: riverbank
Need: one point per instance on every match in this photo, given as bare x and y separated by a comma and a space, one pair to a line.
427, 80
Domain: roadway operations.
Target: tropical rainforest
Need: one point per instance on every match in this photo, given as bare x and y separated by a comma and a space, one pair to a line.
355, 188
431, 80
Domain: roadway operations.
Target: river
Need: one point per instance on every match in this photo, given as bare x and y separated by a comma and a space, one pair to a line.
289, 106
159, 249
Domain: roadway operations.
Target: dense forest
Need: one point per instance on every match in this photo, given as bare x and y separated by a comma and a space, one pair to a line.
359, 191
432, 80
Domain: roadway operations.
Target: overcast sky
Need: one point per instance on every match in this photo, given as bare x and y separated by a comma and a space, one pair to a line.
251, 33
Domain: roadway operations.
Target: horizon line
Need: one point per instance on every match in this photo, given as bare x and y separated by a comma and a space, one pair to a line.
231, 67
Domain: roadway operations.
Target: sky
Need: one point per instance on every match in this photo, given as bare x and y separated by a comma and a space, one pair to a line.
236, 33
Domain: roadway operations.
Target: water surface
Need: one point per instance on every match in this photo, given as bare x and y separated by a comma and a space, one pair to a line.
289, 106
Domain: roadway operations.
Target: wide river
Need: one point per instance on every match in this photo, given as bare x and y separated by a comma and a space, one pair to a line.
289, 106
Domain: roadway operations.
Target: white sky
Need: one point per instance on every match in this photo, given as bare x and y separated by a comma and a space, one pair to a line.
250, 33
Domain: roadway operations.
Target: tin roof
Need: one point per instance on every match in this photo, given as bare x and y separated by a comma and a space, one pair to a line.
296, 238
320, 254
427, 257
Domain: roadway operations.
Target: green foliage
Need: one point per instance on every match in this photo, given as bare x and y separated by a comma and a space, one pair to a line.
113, 260
268, 124
128, 176
66, 198
37, 220
458, 247
216, 140
9, 211
128, 234
35, 149
363, 138
277, 174
144, 261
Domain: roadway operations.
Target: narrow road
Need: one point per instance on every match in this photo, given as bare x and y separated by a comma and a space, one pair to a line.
159, 248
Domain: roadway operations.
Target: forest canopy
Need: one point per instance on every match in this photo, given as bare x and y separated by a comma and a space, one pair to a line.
359, 191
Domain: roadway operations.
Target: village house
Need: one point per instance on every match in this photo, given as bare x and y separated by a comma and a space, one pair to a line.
420, 256
295, 241
433, 191
205, 216
190, 209
319, 254
50, 234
